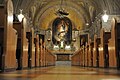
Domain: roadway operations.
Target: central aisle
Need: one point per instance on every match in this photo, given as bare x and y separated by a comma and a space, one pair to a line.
76, 73
62, 73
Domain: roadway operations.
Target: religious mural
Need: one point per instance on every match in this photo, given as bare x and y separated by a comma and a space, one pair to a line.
62, 30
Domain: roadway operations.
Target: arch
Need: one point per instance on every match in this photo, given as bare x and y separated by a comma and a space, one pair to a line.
70, 6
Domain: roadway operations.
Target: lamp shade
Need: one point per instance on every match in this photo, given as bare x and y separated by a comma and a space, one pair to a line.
20, 16
105, 17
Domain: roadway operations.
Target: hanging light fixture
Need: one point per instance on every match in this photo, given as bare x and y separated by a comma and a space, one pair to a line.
105, 16
61, 12
20, 16
74, 39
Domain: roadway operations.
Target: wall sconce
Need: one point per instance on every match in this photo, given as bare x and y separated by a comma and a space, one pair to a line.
20, 16
67, 47
75, 30
49, 34
48, 39
87, 24
56, 47
105, 16
74, 40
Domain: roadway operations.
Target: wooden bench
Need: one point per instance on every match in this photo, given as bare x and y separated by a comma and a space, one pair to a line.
84, 49
103, 49
86, 54
50, 58
114, 45
37, 51
81, 55
42, 50
76, 58
31, 48
90, 54
22, 45
96, 51
8, 37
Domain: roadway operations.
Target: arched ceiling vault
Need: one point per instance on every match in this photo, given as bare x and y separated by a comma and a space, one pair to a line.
47, 14
79, 13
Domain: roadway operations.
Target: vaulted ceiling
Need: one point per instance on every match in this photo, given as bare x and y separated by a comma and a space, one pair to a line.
42, 12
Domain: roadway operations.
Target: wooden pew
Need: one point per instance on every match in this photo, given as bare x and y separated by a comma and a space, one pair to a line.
22, 45
76, 59
90, 54
50, 58
86, 54
96, 51
42, 51
44, 55
103, 49
81, 55
114, 45
8, 37
41, 54
36, 42
91, 46
84, 49
31, 48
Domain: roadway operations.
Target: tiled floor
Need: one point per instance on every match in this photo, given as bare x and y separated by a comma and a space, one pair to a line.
62, 73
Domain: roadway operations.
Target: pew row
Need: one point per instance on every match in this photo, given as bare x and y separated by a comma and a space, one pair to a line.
42, 51
76, 58
49, 58
22, 45
37, 51
8, 37
114, 45
90, 54
31, 49
103, 49
86, 54
96, 51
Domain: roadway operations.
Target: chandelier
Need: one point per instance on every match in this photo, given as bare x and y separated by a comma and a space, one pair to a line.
20, 16
105, 16
61, 12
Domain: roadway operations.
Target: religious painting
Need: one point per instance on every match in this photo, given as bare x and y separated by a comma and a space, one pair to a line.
62, 30
83, 39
